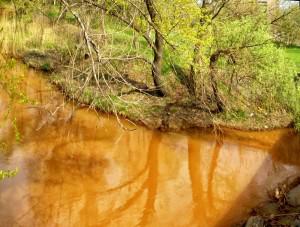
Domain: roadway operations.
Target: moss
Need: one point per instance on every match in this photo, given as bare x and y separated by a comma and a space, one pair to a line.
46, 67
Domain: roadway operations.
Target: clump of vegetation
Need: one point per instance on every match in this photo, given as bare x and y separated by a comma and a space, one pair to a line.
286, 29
23, 29
8, 173
12, 82
250, 70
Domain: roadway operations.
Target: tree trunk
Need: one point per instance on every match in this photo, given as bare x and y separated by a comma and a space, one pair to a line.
157, 50
192, 82
157, 64
213, 60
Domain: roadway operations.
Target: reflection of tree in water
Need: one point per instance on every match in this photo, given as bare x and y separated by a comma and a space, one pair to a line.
151, 182
202, 199
194, 161
69, 188
149, 185
71, 185
212, 171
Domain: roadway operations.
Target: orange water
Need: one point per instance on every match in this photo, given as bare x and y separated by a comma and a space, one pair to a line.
82, 169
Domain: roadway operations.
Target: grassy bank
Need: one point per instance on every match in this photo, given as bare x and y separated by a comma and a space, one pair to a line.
294, 54
59, 49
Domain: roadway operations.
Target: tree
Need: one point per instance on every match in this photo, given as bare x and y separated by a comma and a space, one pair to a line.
219, 50
249, 68
287, 30
149, 19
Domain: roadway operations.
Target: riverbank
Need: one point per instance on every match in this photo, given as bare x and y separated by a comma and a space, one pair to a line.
154, 112
52, 48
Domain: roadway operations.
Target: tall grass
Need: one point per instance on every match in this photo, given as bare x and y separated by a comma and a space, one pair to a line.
19, 35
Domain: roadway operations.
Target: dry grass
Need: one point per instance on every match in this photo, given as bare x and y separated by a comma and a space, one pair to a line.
18, 36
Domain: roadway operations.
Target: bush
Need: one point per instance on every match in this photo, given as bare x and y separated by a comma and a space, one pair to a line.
253, 72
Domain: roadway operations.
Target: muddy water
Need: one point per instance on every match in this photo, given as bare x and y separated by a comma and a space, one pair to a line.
79, 168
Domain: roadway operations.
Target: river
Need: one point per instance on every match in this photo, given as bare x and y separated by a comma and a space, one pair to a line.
78, 167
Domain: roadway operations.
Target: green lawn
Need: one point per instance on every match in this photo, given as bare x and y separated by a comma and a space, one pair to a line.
294, 54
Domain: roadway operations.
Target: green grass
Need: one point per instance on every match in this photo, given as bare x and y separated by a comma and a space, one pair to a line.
294, 54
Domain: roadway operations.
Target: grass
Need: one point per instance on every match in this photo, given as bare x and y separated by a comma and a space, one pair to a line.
294, 54
19, 36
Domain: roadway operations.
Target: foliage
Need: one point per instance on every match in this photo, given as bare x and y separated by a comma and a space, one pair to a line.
252, 71
12, 82
8, 173
287, 30
184, 25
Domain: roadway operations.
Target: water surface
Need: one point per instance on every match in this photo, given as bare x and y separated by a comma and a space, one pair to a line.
80, 168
